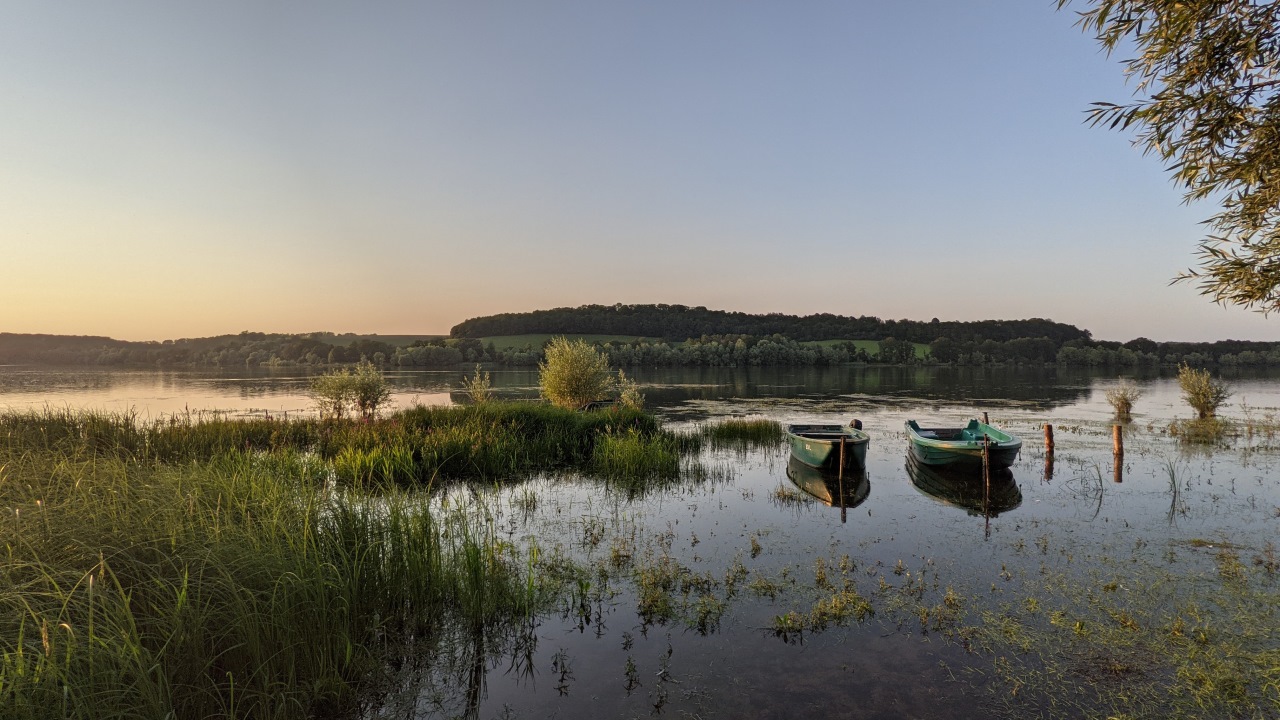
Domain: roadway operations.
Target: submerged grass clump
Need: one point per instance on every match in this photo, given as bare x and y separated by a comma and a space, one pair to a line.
1205, 431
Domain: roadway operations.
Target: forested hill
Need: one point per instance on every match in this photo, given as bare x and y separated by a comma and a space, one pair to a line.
247, 348
679, 322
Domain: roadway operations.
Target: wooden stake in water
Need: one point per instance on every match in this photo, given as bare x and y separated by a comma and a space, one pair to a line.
1117, 442
1048, 451
986, 481
840, 479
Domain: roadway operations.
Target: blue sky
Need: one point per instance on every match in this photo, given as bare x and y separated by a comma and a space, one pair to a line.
179, 170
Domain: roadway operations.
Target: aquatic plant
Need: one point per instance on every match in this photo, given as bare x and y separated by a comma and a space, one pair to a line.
478, 387
1122, 397
1204, 394
743, 434
232, 587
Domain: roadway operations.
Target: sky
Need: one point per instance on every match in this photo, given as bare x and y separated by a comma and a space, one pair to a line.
175, 170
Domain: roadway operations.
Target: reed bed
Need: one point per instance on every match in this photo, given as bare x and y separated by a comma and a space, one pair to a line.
744, 434
493, 441
242, 585
206, 567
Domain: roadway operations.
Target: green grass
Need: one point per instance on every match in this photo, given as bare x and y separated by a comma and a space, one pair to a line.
537, 340
743, 434
871, 347
392, 340
419, 446
205, 567
239, 586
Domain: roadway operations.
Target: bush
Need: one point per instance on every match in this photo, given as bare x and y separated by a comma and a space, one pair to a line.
362, 389
1201, 392
574, 374
1122, 397
629, 392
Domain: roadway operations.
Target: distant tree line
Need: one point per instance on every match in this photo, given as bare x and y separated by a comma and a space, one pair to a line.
249, 349
676, 323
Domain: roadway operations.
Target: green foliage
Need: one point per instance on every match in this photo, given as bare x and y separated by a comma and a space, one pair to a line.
361, 389
680, 322
478, 387
1201, 391
332, 393
574, 374
1122, 397
629, 392
234, 587
1207, 74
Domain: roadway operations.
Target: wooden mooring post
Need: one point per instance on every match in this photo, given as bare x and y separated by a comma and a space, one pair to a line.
1048, 451
1117, 445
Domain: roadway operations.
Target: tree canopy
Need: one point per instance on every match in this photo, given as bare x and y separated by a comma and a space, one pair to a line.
678, 323
1207, 76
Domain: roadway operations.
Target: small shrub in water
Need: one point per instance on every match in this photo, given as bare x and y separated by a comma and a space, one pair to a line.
574, 373
1201, 392
1122, 397
362, 389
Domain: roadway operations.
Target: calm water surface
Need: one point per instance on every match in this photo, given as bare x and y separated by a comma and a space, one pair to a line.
1079, 516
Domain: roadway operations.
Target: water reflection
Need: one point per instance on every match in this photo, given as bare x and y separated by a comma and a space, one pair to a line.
845, 492
965, 488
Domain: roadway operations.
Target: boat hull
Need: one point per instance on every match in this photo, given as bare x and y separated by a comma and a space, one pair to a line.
962, 447
818, 446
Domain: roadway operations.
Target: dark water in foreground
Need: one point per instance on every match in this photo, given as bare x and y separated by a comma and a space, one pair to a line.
910, 538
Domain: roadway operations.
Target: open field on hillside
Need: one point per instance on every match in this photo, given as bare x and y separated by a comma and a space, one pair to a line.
537, 340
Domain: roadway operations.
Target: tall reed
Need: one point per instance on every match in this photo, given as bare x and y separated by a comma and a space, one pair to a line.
239, 586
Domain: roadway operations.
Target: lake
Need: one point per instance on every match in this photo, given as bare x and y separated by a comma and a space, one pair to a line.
1075, 584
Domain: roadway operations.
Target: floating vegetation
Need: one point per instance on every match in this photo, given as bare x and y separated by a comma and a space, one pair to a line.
1114, 649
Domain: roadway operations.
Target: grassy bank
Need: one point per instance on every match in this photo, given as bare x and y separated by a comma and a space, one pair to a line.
235, 587
418, 446
201, 567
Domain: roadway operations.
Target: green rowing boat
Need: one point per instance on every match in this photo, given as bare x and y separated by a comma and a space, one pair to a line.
824, 446
962, 446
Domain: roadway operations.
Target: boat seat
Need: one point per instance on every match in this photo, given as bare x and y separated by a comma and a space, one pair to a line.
942, 433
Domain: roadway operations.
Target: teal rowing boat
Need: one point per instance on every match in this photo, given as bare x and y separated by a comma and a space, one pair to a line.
824, 446
962, 446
